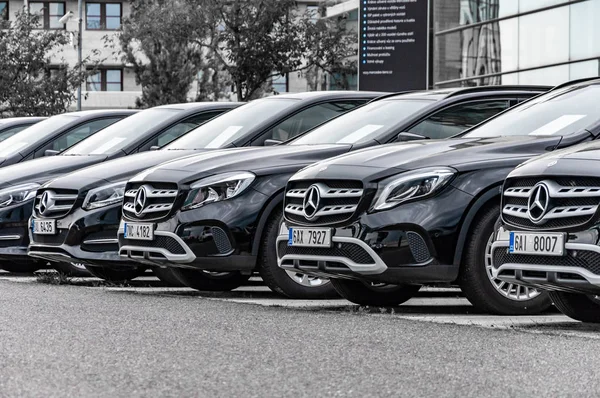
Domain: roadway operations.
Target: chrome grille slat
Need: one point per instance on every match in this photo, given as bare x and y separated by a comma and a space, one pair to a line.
158, 202
58, 204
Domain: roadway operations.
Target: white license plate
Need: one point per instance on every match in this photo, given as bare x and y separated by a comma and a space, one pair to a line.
549, 244
139, 231
44, 227
309, 237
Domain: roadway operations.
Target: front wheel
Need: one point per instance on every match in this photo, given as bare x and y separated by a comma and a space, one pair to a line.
577, 306
479, 286
374, 295
288, 283
210, 281
116, 275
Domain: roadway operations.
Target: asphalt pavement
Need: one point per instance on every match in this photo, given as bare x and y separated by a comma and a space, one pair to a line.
90, 340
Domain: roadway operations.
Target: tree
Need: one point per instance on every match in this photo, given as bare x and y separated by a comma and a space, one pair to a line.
30, 82
252, 40
154, 39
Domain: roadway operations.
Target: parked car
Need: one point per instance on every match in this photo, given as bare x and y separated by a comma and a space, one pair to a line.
19, 183
548, 235
383, 221
86, 231
56, 134
12, 125
218, 217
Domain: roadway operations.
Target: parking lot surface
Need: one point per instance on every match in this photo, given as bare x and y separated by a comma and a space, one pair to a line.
90, 339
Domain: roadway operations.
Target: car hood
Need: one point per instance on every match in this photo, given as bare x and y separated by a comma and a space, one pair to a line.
116, 170
44, 169
259, 160
577, 160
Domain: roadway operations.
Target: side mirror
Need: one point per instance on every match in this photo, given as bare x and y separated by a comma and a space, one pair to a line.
406, 136
272, 142
154, 148
51, 152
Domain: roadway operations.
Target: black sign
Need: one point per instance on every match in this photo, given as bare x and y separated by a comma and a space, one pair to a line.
393, 45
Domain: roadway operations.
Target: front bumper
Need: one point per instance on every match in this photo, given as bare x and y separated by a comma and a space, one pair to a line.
14, 232
196, 239
576, 272
88, 237
412, 243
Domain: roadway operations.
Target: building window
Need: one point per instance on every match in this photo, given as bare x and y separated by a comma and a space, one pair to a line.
105, 80
50, 13
313, 12
280, 84
4, 10
103, 16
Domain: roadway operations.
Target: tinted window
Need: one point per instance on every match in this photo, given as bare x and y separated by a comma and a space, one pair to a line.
120, 135
307, 119
34, 133
236, 123
79, 133
365, 123
453, 120
559, 112
4, 134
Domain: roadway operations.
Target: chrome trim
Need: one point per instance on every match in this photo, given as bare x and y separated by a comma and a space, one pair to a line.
10, 237
188, 257
325, 211
295, 193
100, 241
375, 268
556, 212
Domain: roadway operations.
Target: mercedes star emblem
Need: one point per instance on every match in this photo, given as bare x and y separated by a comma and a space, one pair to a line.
46, 202
537, 204
312, 197
139, 203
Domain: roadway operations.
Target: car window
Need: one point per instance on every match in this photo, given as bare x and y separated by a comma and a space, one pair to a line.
9, 132
453, 120
176, 131
307, 119
77, 134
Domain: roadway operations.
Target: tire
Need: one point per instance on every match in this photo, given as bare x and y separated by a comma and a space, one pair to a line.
210, 281
492, 296
115, 275
70, 269
287, 283
27, 267
384, 296
167, 276
577, 306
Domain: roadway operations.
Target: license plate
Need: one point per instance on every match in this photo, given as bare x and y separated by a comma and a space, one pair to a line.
309, 237
139, 231
548, 244
44, 227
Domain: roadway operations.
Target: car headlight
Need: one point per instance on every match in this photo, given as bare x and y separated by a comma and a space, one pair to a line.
410, 186
17, 194
217, 188
105, 195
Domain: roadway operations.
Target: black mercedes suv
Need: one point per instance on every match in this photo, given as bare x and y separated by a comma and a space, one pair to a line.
384, 221
86, 226
549, 235
213, 218
55, 134
19, 183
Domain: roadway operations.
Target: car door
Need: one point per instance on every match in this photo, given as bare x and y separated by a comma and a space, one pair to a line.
306, 119
178, 129
75, 134
459, 117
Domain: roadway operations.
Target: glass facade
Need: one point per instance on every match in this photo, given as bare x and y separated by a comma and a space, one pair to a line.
477, 42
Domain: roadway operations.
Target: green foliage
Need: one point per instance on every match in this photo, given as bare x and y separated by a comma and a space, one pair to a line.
34, 78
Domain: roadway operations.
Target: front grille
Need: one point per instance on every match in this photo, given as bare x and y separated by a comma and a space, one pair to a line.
550, 203
418, 247
350, 251
221, 240
326, 202
155, 202
575, 258
162, 242
54, 203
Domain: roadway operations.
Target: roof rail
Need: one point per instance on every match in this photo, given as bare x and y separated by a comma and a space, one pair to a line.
476, 89
394, 94
585, 79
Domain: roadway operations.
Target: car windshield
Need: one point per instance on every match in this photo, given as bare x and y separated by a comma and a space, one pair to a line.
225, 129
34, 133
363, 124
560, 112
121, 134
